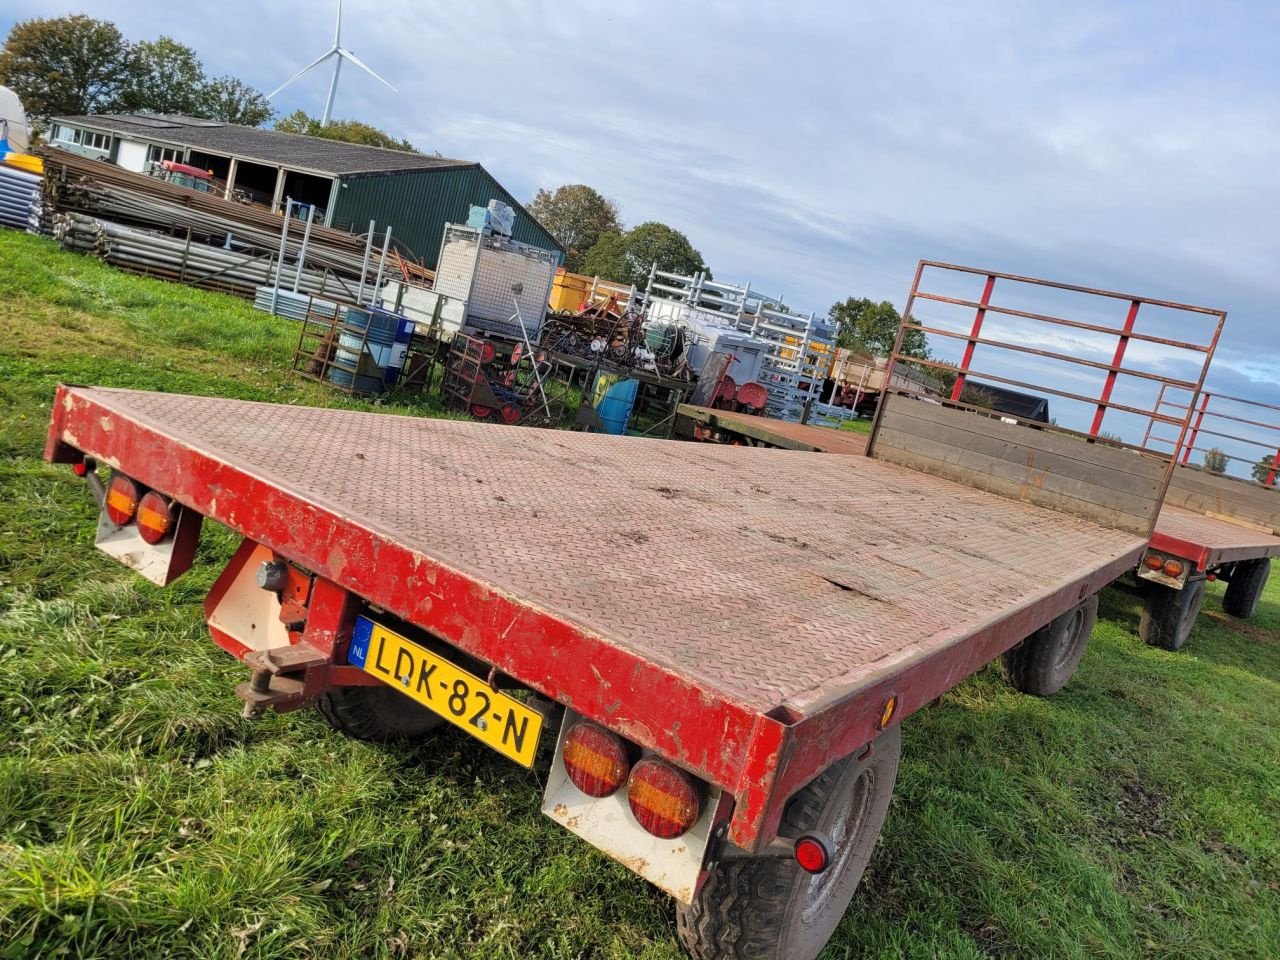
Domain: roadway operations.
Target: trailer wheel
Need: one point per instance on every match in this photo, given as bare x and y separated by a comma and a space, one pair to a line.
767, 908
1245, 587
1043, 662
377, 714
1168, 615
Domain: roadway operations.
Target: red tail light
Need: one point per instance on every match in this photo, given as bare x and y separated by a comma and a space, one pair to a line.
122, 500
1173, 568
812, 854
596, 760
663, 800
1154, 561
157, 516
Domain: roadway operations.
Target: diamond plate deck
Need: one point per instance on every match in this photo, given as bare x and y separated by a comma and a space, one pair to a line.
767, 575
1220, 541
746, 612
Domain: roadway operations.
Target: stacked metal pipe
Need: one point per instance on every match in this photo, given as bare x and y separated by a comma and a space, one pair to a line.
136, 208
19, 198
202, 228
173, 258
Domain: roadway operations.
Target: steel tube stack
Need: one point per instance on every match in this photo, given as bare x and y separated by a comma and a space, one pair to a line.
171, 258
19, 198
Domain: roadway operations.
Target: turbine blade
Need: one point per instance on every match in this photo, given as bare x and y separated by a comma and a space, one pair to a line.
347, 54
337, 31
310, 66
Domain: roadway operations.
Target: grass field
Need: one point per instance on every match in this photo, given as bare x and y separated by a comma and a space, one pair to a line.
1137, 814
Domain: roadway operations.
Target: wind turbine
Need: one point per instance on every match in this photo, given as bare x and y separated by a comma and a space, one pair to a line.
339, 53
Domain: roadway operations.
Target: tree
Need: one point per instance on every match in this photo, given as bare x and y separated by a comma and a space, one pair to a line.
872, 327
1264, 471
234, 101
577, 216
65, 65
1215, 460
165, 76
348, 131
627, 257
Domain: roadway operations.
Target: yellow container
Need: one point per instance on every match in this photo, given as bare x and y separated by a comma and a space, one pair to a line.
569, 291
24, 161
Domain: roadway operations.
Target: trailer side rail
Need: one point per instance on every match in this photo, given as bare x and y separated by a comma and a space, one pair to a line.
1239, 445
1106, 369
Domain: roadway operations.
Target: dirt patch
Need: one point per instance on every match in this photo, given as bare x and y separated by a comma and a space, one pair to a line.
1243, 627
1141, 813
989, 938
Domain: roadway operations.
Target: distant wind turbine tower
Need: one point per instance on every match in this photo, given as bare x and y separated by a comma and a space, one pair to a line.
338, 53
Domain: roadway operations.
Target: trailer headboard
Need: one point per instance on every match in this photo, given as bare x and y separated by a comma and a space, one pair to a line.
994, 370
1229, 461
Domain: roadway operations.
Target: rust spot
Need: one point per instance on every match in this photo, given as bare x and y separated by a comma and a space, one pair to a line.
635, 864
560, 810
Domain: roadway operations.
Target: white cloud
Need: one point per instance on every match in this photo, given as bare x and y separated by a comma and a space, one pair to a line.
819, 149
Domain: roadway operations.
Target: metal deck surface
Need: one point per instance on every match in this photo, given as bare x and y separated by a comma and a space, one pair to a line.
1221, 540
779, 433
772, 577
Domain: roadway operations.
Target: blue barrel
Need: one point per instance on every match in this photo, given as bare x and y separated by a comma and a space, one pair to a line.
399, 350
382, 327
615, 406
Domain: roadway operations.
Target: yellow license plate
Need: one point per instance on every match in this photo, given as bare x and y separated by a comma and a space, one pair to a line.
463, 699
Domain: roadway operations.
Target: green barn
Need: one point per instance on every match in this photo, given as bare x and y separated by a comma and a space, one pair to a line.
349, 184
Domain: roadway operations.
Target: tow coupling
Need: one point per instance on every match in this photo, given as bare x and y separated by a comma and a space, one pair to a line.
279, 678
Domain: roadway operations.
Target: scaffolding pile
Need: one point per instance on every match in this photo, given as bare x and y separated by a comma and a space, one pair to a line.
800, 346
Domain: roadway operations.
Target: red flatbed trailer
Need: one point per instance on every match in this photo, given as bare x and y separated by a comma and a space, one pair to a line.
1213, 525
903, 585
753, 625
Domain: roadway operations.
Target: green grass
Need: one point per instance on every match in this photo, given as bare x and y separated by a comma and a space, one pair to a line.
861, 425
1135, 814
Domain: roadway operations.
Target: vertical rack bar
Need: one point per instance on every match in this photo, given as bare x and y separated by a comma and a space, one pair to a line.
974, 333
1151, 422
1195, 431
302, 250
1121, 345
284, 240
364, 265
382, 266
893, 358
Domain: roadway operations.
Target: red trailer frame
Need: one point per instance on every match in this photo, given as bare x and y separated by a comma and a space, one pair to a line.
296, 482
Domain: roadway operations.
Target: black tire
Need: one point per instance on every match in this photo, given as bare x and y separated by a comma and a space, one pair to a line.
1168, 615
377, 714
1244, 589
1043, 662
767, 908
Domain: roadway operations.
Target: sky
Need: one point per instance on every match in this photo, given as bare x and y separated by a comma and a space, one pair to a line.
818, 150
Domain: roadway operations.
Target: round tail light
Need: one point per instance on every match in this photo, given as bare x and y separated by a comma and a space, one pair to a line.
1154, 561
1173, 568
122, 499
157, 516
596, 760
812, 854
664, 800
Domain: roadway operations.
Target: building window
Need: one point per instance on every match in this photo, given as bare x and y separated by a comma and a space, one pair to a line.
97, 141
64, 134
158, 154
